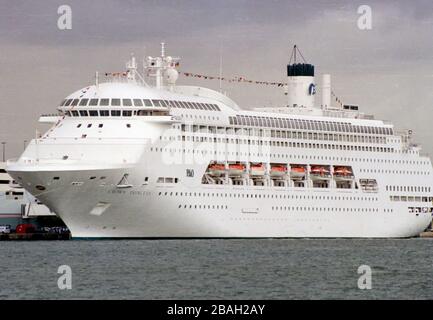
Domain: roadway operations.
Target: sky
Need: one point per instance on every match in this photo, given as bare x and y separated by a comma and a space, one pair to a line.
387, 70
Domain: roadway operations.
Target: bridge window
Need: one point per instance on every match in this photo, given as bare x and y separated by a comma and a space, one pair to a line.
104, 102
68, 102
126, 113
104, 113
93, 102
127, 102
74, 102
115, 113
93, 113
115, 102
83, 113
147, 103
83, 102
138, 103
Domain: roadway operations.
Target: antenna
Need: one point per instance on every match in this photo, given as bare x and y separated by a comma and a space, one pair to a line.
221, 67
294, 53
96, 78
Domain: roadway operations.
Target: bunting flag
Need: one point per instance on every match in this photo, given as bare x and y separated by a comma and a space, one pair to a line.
337, 99
117, 74
234, 79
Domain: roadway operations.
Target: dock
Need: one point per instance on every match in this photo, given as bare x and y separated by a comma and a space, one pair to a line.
34, 236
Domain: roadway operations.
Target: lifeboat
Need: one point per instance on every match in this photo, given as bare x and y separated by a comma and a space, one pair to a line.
217, 169
257, 169
343, 173
297, 172
278, 170
236, 169
320, 173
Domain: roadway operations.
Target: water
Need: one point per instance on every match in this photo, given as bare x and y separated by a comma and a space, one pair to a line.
217, 269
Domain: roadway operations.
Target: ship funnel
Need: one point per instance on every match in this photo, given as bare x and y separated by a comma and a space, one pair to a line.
326, 91
300, 82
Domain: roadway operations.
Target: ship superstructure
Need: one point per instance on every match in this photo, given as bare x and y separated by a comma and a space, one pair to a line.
127, 159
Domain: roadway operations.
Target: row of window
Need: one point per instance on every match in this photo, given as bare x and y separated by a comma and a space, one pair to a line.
411, 198
116, 102
287, 144
100, 125
411, 172
284, 134
259, 121
408, 188
324, 209
199, 206
266, 196
114, 113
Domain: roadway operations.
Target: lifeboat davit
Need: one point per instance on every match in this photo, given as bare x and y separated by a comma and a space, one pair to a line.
236, 169
257, 169
297, 172
320, 173
278, 170
217, 169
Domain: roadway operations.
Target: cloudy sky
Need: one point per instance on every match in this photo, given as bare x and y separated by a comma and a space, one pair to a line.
387, 70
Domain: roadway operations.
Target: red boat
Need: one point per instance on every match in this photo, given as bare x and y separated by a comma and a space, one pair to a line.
217, 169
257, 169
278, 170
236, 169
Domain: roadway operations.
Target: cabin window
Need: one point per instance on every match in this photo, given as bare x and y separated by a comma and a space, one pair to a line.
89, 125
115, 102
83, 102
127, 102
138, 102
126, 113
115, 113
100, 125
93, 102
93, 113
104, 102
104, 113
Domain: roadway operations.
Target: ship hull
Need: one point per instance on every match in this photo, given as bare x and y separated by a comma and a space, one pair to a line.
185, 211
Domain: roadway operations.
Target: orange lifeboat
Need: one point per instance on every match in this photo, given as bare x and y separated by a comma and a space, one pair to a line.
236, 169
343, 173
297, 172
217, 169
257, 169
320, 172
278, 170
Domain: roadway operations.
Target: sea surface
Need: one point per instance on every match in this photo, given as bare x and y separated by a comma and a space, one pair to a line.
217, 269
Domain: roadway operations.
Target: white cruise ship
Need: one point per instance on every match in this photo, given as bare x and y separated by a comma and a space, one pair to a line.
127, 159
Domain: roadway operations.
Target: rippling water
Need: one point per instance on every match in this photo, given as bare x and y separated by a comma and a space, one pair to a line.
217, 269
